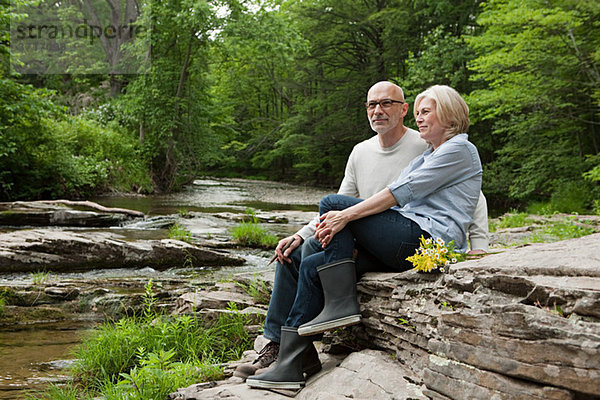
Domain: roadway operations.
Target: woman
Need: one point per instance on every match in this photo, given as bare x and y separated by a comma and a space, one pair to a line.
435, 196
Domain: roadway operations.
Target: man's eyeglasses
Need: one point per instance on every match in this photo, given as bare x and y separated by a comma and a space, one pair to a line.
385, 103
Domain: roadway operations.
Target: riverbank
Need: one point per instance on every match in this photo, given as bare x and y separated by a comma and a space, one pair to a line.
102, 293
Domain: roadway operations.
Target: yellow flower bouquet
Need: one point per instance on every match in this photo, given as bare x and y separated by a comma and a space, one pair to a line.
434, 255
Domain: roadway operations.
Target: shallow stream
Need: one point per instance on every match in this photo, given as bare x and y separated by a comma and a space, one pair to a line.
32, 356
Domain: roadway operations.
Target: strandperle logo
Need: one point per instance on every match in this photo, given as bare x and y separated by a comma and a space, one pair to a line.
59, 38
86, 30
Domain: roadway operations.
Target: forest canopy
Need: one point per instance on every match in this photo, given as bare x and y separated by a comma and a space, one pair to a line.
154, 93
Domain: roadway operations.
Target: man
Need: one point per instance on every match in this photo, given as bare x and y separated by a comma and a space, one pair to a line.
373, 164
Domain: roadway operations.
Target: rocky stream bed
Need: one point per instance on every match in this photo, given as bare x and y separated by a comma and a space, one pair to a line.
522, 323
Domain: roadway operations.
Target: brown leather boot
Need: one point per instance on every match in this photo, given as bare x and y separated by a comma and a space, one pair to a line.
265, 358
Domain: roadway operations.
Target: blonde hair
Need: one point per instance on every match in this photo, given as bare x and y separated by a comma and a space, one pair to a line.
451, 109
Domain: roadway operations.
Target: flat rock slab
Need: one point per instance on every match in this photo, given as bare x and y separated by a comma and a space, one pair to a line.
63, 213
368, 374
60, 250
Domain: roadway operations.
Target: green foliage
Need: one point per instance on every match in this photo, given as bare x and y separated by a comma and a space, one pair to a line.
144, 357
540, 208
596, 207
68, 391
158, 375
571, 197
511, 219
179, 232
536, 66
561, 230
406, 323
149, 300
47, 154
252, 218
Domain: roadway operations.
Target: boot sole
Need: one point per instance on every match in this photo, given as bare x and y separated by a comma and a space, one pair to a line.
329, 325
257, 383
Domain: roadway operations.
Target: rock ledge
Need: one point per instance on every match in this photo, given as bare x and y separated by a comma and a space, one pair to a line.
521, 324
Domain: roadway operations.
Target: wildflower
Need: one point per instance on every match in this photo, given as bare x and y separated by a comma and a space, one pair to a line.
432, 254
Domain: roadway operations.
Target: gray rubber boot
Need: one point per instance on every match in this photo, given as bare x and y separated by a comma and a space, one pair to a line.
287, 372
310, 363
341, 306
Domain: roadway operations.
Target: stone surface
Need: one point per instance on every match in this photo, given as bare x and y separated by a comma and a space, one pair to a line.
520, 324
368, 374
62, 250
522, 321
63, 213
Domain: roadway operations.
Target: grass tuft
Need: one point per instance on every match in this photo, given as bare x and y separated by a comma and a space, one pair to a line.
179, 232
511, 219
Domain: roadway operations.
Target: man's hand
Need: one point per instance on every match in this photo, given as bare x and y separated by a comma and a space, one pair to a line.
286, 246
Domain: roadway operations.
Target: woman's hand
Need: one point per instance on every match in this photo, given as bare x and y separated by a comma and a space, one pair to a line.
331, 223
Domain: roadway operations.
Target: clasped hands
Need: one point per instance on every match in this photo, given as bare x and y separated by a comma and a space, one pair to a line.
330, 223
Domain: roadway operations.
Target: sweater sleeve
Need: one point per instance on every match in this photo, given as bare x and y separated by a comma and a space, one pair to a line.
478, 230
309, 229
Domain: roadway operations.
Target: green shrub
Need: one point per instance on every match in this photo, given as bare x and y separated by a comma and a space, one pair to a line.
540, 208
45, 153
157, 376
117, 348
571, 197
126, 351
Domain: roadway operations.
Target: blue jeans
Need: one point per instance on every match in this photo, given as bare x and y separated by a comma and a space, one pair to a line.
387, 238
284, 289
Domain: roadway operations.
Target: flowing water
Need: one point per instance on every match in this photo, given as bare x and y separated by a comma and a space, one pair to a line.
32, 356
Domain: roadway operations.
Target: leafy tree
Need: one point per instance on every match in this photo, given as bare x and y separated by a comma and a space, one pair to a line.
352, 45
169, 101
254, 65
538, 61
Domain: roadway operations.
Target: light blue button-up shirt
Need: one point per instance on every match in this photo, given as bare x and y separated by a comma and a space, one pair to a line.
439, 190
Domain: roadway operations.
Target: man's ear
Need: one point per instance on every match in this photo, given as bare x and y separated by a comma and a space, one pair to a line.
404, 109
